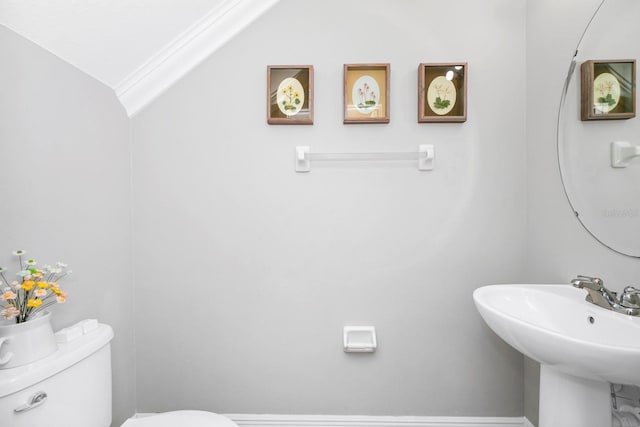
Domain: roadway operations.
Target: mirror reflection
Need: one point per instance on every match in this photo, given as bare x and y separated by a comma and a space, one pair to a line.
598, 133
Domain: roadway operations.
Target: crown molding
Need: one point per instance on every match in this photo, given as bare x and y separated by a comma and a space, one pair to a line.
187, 51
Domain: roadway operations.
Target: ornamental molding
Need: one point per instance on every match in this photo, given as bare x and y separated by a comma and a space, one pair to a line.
187, 51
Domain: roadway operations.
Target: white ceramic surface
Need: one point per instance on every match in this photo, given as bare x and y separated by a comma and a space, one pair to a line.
27, 342
182, 418
554, 325
76, 380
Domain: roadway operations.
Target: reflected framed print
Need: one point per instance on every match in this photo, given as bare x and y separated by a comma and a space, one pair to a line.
608, 89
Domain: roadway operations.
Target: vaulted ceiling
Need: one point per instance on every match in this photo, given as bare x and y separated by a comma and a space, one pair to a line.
137, 47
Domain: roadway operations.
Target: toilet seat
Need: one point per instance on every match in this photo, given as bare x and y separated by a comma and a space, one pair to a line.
182, 419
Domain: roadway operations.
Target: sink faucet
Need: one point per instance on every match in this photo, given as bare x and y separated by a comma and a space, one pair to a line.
628, 303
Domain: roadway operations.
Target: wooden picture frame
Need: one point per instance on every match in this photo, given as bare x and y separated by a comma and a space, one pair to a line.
366, 93
442, 92
608, 89
290, 94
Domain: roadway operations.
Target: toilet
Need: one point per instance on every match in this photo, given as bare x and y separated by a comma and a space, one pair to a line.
181, 418
72, 388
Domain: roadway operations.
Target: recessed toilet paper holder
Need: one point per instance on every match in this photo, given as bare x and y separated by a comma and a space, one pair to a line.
359, 339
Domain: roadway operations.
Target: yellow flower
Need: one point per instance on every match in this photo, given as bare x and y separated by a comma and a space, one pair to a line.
43, 285
35, 303
56, 291
27, 285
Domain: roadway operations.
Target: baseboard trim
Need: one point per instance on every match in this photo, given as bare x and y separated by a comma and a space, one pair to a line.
268, 420
245, 420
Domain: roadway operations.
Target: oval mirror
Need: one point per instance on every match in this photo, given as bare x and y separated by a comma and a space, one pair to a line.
605, 197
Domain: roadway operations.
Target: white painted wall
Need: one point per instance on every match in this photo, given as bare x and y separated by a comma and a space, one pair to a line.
246, 272
65, 174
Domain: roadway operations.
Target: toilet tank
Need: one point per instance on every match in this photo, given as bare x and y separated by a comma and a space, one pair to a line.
70, 388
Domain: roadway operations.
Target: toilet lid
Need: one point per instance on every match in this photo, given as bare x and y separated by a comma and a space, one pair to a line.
182, 419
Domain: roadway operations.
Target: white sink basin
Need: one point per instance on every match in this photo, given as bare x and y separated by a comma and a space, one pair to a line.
554, 325
581, 347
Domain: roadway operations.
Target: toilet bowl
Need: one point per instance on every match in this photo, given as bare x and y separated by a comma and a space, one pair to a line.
72, 388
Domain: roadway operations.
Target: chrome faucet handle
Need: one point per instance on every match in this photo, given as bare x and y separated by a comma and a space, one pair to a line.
627, 303
630, 297
596, 291
588, 282
596, 280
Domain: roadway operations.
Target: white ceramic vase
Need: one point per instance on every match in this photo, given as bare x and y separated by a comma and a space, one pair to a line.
26, 342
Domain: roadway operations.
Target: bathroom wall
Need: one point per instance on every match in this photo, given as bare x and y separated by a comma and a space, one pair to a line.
65, 174
558, 247
246, 272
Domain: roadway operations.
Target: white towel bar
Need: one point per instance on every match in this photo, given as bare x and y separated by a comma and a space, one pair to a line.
425, 156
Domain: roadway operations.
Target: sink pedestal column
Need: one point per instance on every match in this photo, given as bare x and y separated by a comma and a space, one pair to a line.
569, 401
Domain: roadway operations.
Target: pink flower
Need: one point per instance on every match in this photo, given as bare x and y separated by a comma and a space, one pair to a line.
8, 295
9, 312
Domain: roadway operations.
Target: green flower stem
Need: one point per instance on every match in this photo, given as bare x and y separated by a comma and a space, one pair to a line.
4, 279
44, 305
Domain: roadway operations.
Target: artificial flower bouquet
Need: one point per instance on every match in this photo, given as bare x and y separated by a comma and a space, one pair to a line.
36, 289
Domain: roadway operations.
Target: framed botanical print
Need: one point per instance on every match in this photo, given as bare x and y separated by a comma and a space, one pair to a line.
442, 93
366, 93
290, 94
608, 89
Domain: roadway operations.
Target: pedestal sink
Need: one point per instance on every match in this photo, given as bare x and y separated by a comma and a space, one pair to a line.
581, 347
